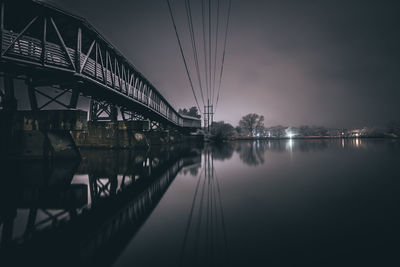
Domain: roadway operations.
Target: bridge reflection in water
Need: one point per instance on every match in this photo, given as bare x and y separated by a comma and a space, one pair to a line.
71, 213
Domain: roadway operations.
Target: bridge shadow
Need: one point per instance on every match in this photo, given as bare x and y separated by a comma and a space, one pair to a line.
83, 213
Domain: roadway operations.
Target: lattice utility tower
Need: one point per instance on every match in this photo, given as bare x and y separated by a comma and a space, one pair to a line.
208, 115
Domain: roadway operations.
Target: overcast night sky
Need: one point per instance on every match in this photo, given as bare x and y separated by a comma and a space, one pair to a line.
331, 63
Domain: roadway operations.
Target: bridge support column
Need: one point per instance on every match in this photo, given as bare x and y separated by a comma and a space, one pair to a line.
32, 96
7, 117
73, 103
9, 100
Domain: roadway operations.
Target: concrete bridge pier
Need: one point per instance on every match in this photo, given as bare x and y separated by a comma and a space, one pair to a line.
41, 134
112, 134
123, 134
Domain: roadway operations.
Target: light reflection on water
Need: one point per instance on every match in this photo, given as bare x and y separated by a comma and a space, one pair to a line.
280, 203
284, 203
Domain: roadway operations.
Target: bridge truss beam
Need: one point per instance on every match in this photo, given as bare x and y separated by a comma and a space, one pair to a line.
128, 115
57, 96
102, 111
40, 41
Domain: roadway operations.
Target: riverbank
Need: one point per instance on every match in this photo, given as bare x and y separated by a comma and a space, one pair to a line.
247, 138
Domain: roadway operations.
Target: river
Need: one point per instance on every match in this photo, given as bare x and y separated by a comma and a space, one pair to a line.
249, 203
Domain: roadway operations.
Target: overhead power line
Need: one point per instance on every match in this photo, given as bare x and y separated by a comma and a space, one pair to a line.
182, 54
209, 46
204, 45
216, 51
194, 46
223, 54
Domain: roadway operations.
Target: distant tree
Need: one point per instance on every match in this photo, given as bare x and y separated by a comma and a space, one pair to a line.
393, 128
193, 111
321, 131
222, 130
239, 130
373, 132
252, 123
277, 131
306, 130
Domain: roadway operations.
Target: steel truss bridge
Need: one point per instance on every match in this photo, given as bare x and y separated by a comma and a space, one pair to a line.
47, 46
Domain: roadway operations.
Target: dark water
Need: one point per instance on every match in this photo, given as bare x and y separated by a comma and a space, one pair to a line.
277, 203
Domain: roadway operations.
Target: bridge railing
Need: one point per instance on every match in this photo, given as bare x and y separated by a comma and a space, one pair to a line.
91, 58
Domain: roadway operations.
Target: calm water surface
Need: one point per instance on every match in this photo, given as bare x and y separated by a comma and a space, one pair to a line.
264, 203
